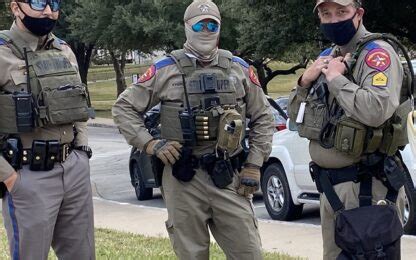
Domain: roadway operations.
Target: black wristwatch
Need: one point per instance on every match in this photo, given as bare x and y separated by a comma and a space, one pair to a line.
86, 149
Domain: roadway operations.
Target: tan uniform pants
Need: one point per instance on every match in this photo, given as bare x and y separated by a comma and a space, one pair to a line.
195, 206
51, 208
348, 193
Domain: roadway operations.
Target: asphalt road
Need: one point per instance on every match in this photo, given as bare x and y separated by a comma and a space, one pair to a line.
110, 175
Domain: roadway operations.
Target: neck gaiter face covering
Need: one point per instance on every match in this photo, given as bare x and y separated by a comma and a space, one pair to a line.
204, 45
38, 26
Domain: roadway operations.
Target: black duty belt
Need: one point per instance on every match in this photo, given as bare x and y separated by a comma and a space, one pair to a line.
59, 156
325, 179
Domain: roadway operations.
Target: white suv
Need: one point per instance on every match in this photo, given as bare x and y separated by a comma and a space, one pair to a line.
287, 184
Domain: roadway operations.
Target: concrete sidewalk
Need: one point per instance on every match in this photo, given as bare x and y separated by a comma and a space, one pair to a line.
303, 240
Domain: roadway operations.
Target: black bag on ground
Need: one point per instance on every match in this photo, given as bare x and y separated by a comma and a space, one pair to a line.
371, 232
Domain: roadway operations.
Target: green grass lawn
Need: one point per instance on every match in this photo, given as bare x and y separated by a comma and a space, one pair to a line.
103, 94
118, 245
105, 72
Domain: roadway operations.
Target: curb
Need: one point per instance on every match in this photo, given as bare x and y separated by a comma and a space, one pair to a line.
101, 125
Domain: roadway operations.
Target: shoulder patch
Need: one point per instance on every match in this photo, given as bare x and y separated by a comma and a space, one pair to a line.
253, 77
148, 75
241, 62
380, 80
164, 62
371, 46
326, 52
378, 59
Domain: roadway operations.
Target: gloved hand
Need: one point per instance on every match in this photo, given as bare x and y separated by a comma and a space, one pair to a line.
167, 151
250, 179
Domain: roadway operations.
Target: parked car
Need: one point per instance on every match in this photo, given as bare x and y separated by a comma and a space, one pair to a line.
140, 166
287, 184
279, 119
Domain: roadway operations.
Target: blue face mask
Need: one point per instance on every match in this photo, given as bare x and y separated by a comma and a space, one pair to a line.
339, 33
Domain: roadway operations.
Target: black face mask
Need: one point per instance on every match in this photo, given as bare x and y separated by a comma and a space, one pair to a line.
38, 26
339, 33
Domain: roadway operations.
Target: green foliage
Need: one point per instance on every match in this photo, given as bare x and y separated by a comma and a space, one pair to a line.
6, 18
274, 29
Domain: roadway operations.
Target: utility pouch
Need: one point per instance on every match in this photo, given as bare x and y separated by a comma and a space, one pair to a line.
350, 137
230, 131
16, 113
395, 136
188, 127
52, 155
315, 113
24, 112
371, 232
39, 150
183, 169
208, 162
394, 172
223, 173
65, 104
314, 118
13, 152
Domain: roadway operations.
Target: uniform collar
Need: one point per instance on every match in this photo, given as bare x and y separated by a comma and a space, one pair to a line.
352, 45
35, 42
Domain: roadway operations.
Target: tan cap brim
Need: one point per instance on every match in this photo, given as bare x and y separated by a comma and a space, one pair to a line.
202, 17
340, 2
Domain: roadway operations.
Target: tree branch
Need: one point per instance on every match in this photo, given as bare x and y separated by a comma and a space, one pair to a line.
271, 75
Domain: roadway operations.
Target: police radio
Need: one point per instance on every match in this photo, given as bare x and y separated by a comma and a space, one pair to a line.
187, 120
24, 104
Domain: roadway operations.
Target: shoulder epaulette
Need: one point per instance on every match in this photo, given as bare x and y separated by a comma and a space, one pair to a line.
326, 52
241, 62
164, 62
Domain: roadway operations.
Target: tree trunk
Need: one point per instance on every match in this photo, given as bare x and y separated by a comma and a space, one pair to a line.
119, 69
83, 54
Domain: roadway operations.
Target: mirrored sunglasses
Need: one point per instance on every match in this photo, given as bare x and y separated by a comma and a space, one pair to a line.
40, 5
211, 26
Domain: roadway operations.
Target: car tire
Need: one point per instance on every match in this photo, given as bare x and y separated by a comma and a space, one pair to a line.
277, 196
410, 206
142, 193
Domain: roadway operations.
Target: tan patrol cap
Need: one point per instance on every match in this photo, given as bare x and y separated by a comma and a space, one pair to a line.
341, 2
202, 9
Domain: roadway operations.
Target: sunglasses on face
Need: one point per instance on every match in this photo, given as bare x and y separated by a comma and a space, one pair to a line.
211, 26
40, 5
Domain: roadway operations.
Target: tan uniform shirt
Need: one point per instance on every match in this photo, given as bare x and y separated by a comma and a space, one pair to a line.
166, 85
370, 102
13, 73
